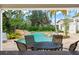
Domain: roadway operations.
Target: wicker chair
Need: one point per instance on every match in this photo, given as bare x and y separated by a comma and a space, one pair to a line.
73, 46
21, 47
57, 39
30, 39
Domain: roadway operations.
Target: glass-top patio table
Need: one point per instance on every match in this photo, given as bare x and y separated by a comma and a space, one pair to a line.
41, 42
38, 37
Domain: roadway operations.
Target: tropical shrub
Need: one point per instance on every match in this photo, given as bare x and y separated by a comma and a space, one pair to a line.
13, 35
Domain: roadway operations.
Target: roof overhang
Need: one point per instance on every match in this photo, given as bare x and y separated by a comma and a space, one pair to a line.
39, 5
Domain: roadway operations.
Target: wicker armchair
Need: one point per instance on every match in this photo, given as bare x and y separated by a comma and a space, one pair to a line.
57, 39
21, 47
30, 40
73, 46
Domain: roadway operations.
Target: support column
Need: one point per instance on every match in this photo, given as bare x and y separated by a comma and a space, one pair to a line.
0, 29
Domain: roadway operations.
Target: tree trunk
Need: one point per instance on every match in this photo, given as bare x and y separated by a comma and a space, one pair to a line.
55, 24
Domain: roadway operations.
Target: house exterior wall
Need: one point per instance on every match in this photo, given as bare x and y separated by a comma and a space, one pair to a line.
77, 26
73, 25
60, 26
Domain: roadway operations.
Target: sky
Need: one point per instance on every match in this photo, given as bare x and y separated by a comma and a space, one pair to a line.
59, 14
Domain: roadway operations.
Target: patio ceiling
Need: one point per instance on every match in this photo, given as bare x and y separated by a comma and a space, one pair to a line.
39, 5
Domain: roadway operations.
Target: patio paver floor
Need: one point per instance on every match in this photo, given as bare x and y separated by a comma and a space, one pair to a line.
10, 45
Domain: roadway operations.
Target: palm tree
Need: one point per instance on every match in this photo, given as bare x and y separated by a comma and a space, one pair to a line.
66, 26
54, 12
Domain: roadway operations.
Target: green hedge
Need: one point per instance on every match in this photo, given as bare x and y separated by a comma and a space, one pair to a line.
40, 28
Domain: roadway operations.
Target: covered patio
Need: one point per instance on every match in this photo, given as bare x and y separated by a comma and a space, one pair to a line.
10, 45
